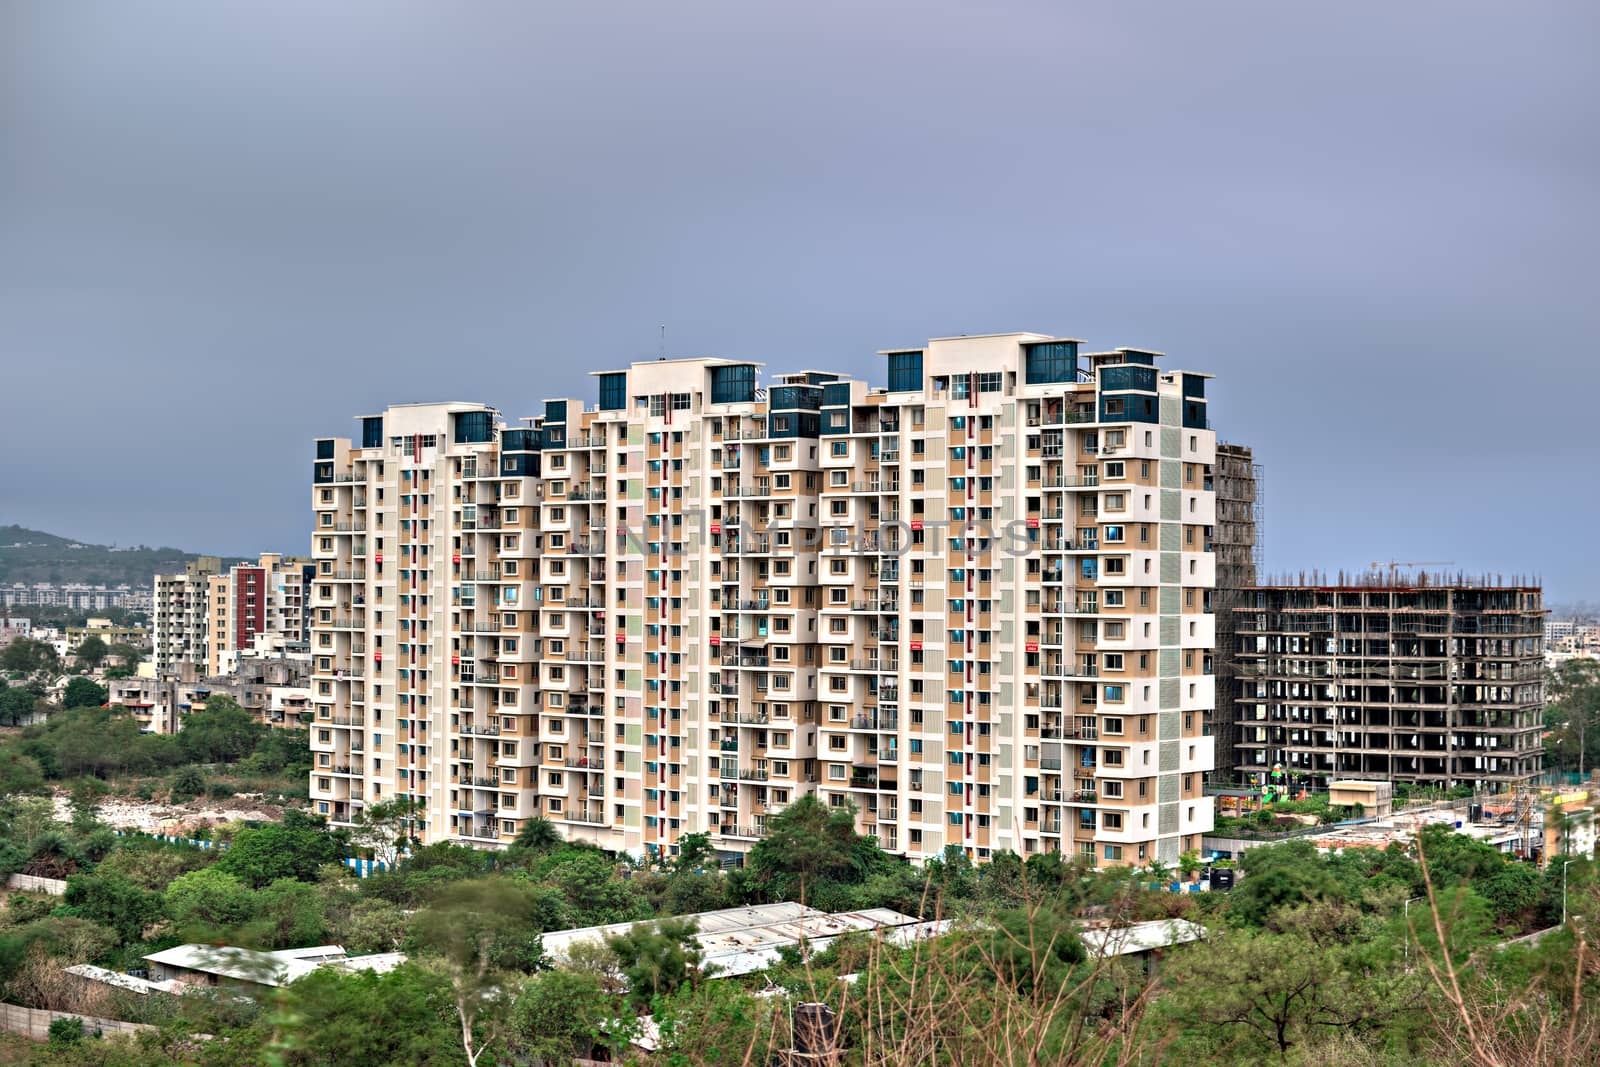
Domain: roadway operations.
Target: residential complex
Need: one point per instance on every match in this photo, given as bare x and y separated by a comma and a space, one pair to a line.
1434, 681
76, 596
206, 616
182, 615
974, 605
271, 680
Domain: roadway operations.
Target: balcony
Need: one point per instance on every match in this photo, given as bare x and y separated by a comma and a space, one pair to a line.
586, 763
875, 722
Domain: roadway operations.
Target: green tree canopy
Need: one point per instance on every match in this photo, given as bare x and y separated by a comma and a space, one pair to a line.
222, 733
805, 843
293, 848
92, 651
83, 693
656, 958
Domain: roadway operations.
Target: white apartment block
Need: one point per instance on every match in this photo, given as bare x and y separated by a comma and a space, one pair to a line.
974, 605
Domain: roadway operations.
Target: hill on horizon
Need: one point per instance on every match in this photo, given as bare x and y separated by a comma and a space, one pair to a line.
31, 556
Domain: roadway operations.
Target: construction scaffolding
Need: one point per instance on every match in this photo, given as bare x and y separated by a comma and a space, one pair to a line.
1236, 542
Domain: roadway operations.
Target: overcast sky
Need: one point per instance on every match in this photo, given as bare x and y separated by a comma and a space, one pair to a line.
226, 229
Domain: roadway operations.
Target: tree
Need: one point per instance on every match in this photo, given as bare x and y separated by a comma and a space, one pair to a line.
111, 900
656, 958
222, 733
207, 902
16, 705
127, 655
188, 782
479, 933
293, 848
1573, 714
92, 651
557, 1017
18, 773
371, 926
537, 836
1252, 996
30, 657
83, 693
287, 914
595, 896
806, 842
363, 1019
387, 828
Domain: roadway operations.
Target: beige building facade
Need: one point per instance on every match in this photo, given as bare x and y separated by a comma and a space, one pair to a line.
973, 605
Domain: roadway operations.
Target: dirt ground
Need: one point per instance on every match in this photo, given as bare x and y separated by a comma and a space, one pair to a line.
154, 817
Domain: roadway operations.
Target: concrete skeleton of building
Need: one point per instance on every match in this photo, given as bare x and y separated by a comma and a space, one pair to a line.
1430, 680
974, 605
205, 616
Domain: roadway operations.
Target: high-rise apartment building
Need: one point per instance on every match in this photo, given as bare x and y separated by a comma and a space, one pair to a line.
182, 612
206, 616
1434, 681
974, 605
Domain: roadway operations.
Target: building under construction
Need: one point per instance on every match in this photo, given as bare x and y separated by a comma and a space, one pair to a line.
1236, 543
1431, 680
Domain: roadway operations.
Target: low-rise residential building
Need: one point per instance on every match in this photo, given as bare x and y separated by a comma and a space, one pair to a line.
108, 632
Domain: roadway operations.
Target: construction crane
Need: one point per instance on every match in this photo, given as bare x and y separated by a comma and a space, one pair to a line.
1394, 565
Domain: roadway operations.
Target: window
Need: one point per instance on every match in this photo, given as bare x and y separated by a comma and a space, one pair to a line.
1115, 469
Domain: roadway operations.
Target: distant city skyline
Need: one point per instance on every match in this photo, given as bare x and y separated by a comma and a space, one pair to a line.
1385, 262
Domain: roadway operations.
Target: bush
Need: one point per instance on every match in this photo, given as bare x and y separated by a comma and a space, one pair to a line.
65, 1032
219, 790
188, 782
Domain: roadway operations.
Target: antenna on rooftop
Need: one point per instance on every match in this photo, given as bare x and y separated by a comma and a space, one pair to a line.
661, 350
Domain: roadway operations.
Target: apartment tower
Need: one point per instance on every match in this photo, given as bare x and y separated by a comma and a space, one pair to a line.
972, 605
181, 616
